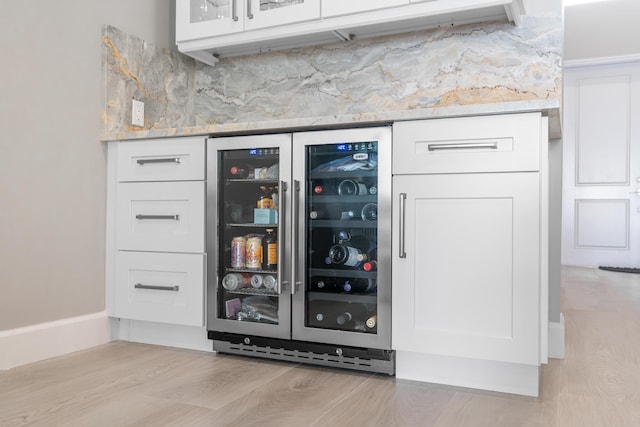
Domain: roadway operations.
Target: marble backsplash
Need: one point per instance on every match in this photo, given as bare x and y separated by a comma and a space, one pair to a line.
490, 63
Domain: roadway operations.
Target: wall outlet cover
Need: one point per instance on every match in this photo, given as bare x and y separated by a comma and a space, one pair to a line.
137, 113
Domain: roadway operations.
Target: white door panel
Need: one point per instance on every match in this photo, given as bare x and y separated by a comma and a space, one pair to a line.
601, 222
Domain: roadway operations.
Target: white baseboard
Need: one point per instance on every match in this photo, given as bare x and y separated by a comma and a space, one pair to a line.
470, 373
556, 339
180, 336
30, 344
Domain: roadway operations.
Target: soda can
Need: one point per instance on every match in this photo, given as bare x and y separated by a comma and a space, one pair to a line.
238, 252
256, 280
269, 282
254, 252
233, 281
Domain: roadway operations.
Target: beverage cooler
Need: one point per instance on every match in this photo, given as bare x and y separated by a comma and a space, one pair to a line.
299, 247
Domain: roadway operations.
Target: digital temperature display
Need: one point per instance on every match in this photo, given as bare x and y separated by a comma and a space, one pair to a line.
363, 146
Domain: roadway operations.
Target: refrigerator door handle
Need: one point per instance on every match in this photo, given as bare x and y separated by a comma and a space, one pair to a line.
281, 237
294, 236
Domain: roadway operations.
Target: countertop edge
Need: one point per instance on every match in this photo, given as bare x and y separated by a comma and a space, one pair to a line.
549, 108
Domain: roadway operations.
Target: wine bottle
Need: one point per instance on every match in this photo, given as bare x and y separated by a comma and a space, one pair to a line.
318, 214
359, 285
349, 187
344, 254
372, 322
370, 265
270, 250
350, 251
352, 316
347, 215
241, 171
326, 284
369, 212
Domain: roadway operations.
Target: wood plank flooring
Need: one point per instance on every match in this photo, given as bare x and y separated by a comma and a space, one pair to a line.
129, 384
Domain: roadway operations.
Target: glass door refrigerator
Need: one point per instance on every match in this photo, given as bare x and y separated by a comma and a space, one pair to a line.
299, 247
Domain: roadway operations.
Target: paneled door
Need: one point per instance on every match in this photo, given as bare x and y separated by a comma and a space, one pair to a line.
601, 175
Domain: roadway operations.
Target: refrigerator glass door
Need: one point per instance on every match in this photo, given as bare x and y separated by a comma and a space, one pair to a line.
341, 292
247, 196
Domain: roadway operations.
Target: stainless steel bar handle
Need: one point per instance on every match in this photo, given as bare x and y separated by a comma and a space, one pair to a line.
174, 217
234, 10
463, 146
249, 12
281, 237
401, 243
174, 288
161, 160
294, 236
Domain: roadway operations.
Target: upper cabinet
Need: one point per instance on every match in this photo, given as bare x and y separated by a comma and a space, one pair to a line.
212, 29
197, 19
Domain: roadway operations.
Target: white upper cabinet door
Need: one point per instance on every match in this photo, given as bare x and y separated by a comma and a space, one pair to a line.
270, 13
196, 19
341, 7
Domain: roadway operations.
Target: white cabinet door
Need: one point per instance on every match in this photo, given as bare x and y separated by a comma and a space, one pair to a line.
270, 13
197, 19
341, 7
466, 265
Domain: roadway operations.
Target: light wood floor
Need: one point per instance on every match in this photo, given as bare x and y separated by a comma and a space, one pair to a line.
127, 384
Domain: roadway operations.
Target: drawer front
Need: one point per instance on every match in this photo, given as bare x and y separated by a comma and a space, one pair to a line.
160, 216
177, 159
503, 143
160, 287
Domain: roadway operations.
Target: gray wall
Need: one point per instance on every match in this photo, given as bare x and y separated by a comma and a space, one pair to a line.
52, 165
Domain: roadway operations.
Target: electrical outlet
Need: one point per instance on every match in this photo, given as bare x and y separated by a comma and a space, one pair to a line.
137, 113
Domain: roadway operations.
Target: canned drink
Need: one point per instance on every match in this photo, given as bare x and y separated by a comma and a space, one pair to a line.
256, 280
269, 282
254, 252
233, 281
238, 252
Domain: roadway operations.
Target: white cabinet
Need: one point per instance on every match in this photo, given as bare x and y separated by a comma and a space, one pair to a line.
469, 287
157, 206
208, 29
206, 18
341, 7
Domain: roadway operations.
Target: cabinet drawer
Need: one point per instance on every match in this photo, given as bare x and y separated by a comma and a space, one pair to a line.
159, 287
160, 216
504, 143
178, 159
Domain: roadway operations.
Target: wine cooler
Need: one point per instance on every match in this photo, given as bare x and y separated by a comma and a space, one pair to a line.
299, 247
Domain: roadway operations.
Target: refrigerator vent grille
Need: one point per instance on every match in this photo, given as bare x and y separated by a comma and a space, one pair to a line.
354, 363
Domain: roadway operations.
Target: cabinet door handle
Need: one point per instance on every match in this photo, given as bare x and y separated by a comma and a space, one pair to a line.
174, 288
281, 237
463, 146
161, 160
401, 243
249, 12
294, 236
234, 10
175, 217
